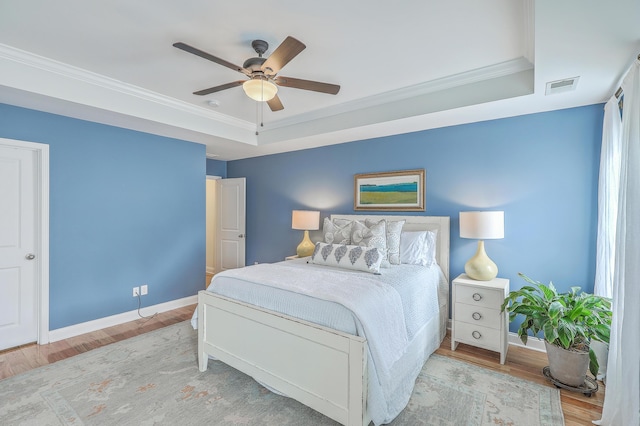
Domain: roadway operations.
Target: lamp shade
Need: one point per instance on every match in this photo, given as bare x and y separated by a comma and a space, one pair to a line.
260, 90
305, 220
482, 225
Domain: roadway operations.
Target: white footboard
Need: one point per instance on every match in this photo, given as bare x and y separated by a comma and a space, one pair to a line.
322, 368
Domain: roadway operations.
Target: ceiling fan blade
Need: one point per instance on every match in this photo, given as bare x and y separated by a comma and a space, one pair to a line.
314, 86
205, 55
275, 104
288, 49
219, 88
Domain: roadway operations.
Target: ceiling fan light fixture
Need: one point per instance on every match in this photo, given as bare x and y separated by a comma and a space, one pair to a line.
259, 89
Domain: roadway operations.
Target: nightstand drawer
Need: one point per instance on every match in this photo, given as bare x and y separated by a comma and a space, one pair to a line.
473, 334
474, 295
479, 315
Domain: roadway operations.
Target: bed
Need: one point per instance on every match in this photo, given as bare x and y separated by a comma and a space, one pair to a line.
327, 367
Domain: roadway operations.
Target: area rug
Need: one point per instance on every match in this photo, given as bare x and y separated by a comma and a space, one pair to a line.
153, 379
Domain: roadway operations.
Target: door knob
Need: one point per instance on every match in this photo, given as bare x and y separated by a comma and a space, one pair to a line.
241, 236
30, 256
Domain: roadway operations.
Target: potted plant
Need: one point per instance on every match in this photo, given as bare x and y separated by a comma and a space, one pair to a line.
568, 321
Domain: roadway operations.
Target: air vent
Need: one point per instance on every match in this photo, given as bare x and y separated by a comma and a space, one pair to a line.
559, 86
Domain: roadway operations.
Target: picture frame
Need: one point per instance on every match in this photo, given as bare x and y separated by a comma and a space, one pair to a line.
390, 191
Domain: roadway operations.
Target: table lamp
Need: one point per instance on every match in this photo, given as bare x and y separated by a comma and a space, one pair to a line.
305, 220
481, 226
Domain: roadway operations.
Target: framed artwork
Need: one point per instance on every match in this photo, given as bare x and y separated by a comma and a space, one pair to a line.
397, 191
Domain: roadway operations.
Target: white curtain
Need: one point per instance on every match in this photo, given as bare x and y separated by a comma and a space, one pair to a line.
608, 187
622, 397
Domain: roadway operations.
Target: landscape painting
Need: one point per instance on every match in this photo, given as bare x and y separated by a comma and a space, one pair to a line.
400, 191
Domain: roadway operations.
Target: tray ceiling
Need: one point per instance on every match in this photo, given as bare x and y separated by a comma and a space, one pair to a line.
402, 66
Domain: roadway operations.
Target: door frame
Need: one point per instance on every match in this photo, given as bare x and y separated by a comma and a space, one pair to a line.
41, 179
215, 226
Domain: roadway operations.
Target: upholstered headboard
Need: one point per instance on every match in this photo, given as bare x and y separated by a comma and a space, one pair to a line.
417, 223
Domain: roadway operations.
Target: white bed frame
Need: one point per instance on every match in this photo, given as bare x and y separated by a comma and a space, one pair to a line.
320, 367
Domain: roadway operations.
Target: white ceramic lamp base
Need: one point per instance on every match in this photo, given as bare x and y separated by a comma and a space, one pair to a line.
480, 267
306, 247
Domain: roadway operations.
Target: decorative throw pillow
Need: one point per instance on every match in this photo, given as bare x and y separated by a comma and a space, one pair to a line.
358, 258
337, 231
371, 236
394, 229
418, 247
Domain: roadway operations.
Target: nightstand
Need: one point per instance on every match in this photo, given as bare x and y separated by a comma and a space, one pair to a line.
476, 317
295, 256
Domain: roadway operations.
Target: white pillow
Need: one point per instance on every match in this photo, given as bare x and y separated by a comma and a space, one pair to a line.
337, 231
371, 236
346, 256
418, 247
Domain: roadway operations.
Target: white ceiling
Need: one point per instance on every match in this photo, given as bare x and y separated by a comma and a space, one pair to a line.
402, 66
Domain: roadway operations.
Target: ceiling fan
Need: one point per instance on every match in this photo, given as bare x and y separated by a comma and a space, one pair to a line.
262, 72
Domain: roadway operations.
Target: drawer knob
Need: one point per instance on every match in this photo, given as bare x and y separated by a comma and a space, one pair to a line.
476, 316
477, 297
476, 335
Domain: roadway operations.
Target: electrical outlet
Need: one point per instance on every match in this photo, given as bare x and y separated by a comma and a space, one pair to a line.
144, 290
136, 291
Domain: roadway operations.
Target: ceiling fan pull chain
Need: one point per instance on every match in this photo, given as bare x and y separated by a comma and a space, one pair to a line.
257, 117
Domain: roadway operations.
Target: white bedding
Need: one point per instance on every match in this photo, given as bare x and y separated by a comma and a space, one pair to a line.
397, 312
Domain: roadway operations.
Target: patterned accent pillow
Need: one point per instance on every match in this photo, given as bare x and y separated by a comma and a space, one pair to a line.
346, 256
337, 231
371, 236
394, 229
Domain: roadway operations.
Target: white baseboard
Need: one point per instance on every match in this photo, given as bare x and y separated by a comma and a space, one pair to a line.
533, 343
98, 324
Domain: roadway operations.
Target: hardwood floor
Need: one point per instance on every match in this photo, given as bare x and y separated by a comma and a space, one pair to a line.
524, 363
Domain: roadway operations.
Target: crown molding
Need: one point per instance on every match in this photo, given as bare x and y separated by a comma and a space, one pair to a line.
480, 74
74, 73
46, 77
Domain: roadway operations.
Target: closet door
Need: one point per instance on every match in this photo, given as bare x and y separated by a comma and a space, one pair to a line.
18, 257
231, 229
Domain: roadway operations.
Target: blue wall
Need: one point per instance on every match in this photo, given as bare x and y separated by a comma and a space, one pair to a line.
126, 209
216, 168
541, 169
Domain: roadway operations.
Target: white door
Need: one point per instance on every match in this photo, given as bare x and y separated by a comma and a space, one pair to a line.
18, 257
230, 233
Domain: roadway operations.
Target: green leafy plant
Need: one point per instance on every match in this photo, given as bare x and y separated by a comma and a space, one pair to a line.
569, 320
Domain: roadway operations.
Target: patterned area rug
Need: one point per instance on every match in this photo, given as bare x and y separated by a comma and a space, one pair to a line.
153, 379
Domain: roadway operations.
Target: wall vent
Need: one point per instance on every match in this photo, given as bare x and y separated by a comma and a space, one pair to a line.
559, 86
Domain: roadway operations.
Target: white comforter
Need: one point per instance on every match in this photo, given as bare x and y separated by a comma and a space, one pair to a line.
375, 304
389, 310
